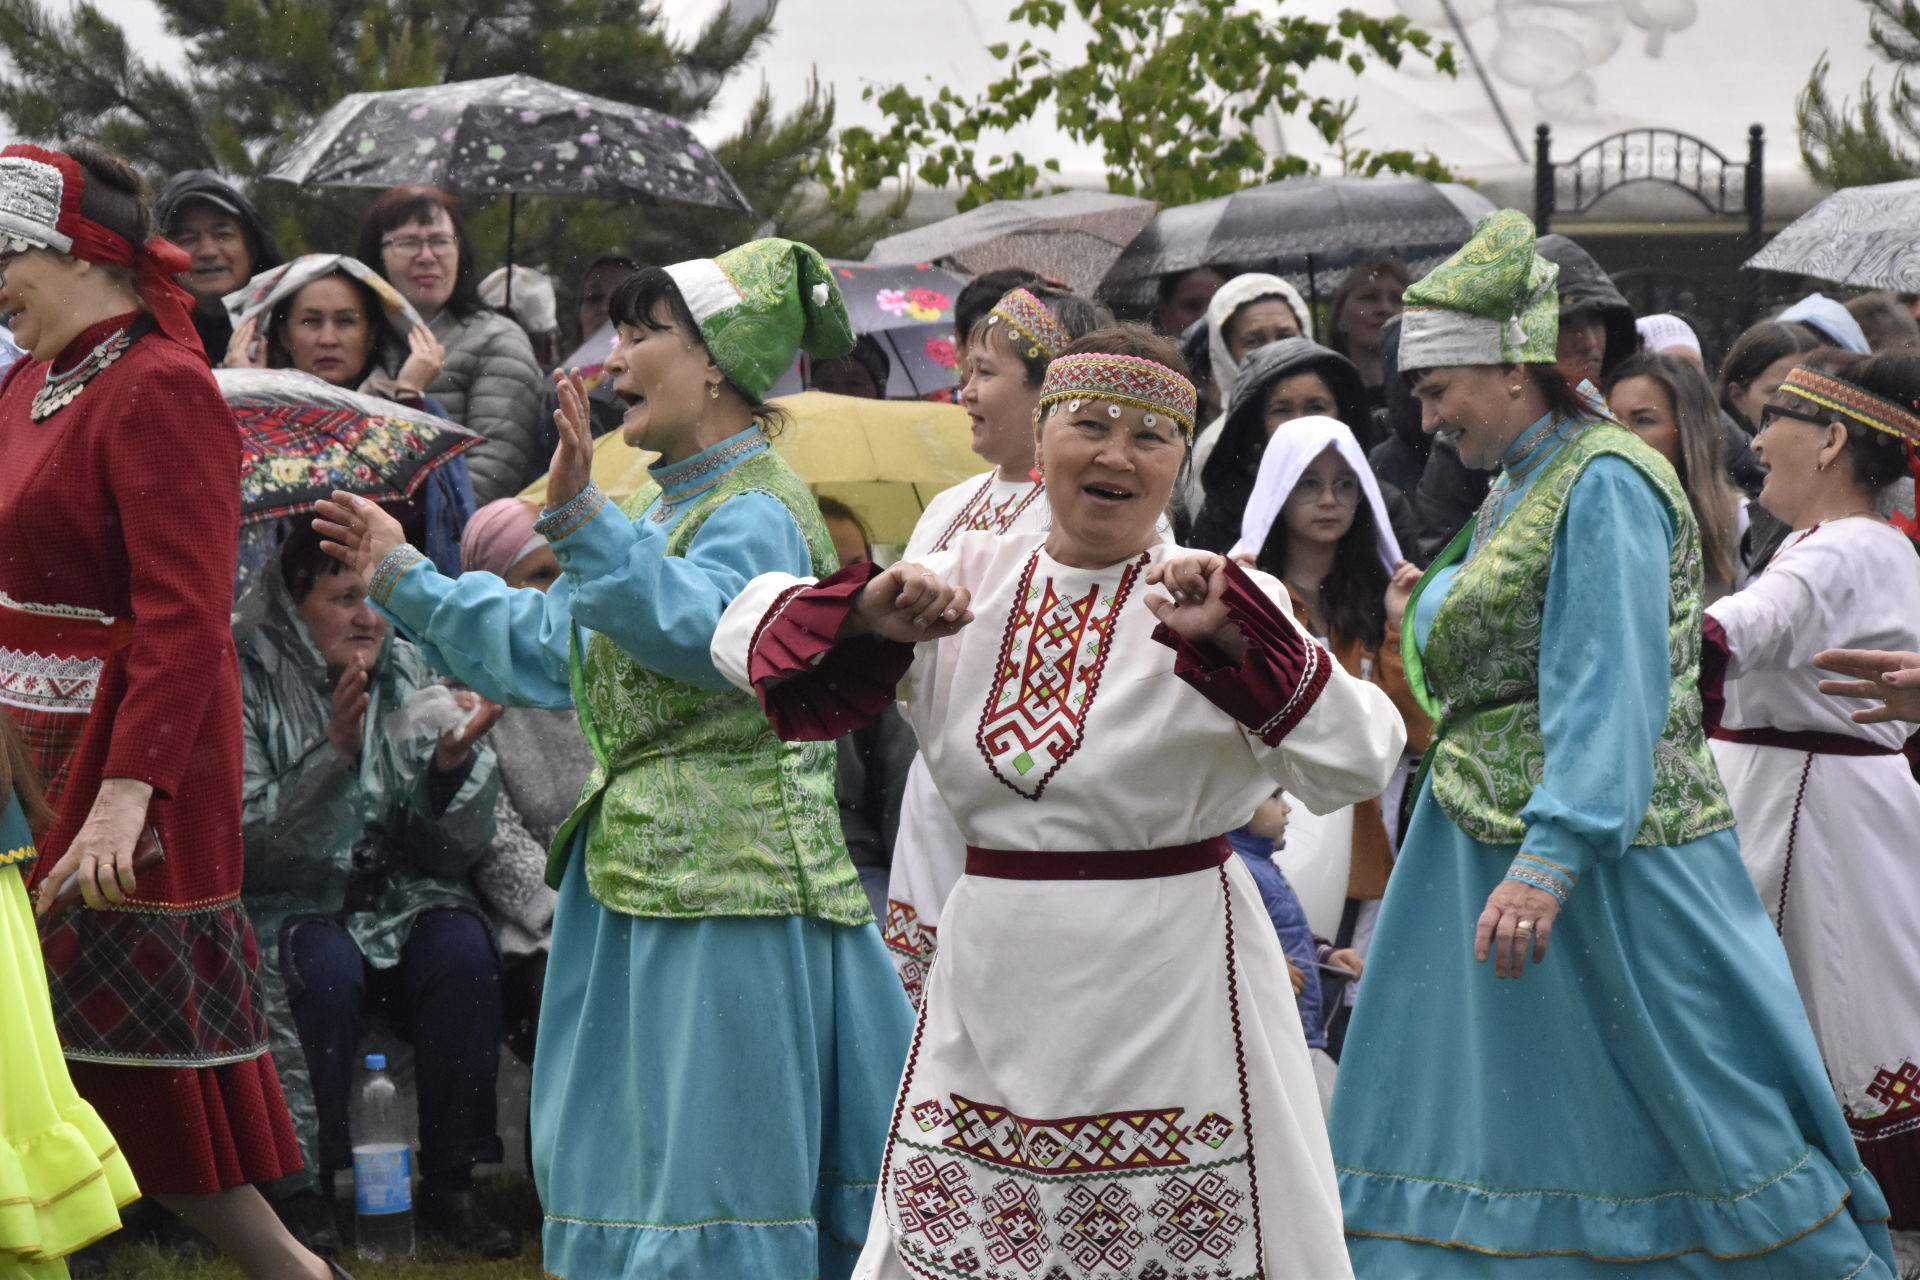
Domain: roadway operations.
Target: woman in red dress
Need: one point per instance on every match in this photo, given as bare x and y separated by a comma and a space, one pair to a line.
119, 509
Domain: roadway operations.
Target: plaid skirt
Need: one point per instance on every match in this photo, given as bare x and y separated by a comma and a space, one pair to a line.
166, 988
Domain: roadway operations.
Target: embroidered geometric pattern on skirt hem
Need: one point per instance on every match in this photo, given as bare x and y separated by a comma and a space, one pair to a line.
1885, 1124
990, 1190
910, 945
156, 986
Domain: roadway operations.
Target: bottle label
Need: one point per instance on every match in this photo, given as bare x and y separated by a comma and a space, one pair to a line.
382, 1178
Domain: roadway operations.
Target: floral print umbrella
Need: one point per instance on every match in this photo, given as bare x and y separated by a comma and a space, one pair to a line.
302, 438
509, 135
908, 310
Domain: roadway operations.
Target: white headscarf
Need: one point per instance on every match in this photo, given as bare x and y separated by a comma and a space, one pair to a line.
1289, 453
1229, 298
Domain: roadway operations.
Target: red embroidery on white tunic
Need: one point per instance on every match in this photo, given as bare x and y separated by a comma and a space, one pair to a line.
1051, 657
981, 512
912, 944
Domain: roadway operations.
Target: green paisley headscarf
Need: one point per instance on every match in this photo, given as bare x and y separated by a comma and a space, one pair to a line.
760, 304
1494, 302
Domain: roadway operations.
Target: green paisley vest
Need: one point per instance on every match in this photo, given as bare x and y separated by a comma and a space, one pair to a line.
1482, 662
694, 808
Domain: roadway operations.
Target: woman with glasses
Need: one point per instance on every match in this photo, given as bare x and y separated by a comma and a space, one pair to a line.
489, 381
1316, 520
1630, 1088
1827, 806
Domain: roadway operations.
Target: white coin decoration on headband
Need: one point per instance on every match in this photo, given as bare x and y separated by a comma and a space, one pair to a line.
1120, 380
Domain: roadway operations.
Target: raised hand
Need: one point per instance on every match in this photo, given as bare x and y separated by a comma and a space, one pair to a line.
1406, 576
1893, 678
456, 745
908, 603
425, 358
572, 468
244, 349
356, 532
346, 725
1195, 604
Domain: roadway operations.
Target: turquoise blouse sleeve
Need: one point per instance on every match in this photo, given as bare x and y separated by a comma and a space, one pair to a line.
662, 610
508, 645
1604, 675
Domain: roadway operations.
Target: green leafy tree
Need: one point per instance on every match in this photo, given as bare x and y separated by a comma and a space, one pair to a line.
259, 72
1877, 138
1167, 90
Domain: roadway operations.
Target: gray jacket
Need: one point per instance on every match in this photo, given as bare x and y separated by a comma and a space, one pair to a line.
490, 385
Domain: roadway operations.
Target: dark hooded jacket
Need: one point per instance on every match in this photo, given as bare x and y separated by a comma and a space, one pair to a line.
1228, 477
1449, 492
216, 330
1585, 287
1401, 455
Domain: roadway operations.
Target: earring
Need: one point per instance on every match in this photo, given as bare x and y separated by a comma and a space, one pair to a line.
1515, 391
713, 391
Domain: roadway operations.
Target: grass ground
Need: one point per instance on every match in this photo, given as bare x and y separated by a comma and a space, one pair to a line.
508, 1198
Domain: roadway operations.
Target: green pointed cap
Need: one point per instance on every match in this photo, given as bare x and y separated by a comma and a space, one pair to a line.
762, 303
1494, 302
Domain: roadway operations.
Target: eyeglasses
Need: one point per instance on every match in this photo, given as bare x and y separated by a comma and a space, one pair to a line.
408, 246
1769, 412
1346, 490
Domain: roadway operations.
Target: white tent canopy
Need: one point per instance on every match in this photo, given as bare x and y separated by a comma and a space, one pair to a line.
1740, 62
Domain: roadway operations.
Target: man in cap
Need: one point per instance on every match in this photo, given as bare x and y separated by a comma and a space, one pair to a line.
228, 241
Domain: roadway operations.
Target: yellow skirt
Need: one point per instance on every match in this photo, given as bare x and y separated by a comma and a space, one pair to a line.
62, 1177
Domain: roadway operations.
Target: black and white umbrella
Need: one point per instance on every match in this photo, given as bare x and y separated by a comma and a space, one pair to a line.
1308, 230
511, 136
1864, 236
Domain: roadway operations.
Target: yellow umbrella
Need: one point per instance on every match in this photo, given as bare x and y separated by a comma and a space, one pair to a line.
883, 458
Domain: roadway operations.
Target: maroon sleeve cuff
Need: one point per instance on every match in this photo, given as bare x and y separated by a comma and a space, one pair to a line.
1714, 656
813, 687
1281, 677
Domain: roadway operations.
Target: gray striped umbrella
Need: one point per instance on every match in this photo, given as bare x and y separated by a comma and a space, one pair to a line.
1072, 236
1864, 236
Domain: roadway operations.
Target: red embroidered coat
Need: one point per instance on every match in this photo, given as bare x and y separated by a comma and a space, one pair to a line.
126, 503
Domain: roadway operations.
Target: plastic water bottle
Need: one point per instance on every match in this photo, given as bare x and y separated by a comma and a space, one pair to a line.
382, 1168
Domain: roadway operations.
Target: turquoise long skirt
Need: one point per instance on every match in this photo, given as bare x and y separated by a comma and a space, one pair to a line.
711, 1097
1646, 1102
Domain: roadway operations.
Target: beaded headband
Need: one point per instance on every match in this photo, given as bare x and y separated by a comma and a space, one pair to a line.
1144, 384
1869, 410
1030, 324
1857, 403
40, 209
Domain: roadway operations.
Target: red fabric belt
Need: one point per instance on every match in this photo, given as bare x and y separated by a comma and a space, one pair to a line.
1104, 864
63, 636
1826, 744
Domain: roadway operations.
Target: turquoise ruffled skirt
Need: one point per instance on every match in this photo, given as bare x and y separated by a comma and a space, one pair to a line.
1650, 1094
711, 1097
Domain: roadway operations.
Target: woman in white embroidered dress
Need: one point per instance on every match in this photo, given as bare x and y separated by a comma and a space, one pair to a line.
1109, 1074
1826, 804
1008, 350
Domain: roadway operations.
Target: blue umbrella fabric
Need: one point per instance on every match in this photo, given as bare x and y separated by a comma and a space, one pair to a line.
509, 135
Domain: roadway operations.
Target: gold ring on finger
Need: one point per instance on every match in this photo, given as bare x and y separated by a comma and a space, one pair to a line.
1524, 926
